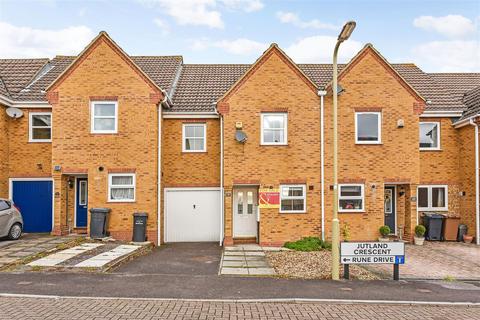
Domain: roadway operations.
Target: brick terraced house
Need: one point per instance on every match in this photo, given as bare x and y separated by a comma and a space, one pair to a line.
223, 152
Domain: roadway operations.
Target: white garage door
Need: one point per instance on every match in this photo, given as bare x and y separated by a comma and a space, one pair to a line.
192, 215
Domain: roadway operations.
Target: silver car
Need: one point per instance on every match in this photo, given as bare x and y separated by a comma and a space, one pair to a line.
11, 221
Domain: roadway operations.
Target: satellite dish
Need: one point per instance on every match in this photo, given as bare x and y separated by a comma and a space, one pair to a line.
240, 136
14, 113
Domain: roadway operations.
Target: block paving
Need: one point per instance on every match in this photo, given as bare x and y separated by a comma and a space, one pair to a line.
94, 308
246, 260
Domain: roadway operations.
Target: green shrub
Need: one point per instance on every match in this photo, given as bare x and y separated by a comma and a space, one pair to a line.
420, 230
308, 244
384, 230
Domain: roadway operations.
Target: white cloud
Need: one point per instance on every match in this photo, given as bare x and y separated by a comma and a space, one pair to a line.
449, 56
451, 26
190, 12
294, 19
245, 5
241, 46
319, 49
164, 27
23, 42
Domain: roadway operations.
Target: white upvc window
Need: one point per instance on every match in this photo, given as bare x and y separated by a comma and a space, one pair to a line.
293, 198
432, 198
194, 137
104, 117
429, 135
121, 187
40, 127
274, 128
351, 198
368, 127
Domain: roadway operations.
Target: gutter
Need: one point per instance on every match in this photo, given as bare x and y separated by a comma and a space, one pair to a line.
322, 94
466, 121
477, 187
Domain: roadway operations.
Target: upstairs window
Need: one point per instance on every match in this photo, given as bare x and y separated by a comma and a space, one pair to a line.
432, 198
194, 137
121, 187
104, 117
429, 136
274, 129
368, 128
351, 198
40, 127
292, 199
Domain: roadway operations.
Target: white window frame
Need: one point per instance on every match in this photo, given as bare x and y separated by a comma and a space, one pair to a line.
361, 197
31, 126
285, 129
438, 135
93, 117
304, 198
379, 124
184, 137
429, 188
134, 185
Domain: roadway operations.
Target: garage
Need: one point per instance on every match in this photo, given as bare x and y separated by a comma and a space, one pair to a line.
34, 199
192, 215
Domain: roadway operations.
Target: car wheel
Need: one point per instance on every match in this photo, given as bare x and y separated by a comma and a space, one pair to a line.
15, 232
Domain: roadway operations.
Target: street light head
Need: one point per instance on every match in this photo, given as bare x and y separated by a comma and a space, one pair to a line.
347, 31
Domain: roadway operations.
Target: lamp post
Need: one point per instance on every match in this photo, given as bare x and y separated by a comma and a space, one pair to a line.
344, 35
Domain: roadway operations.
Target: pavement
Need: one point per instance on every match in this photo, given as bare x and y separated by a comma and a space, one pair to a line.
79, 308
29, 245
246, 260
437, 260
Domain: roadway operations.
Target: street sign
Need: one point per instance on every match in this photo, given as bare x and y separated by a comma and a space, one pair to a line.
372, 253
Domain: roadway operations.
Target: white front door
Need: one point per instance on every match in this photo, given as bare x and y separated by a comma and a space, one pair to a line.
245, 210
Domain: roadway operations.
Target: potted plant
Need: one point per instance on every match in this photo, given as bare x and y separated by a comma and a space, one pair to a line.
467, 238
384, 232
419, 237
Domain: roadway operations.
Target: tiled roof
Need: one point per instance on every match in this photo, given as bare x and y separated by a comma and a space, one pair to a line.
202, 85
472, 101
199, 86
161, 70
16, 74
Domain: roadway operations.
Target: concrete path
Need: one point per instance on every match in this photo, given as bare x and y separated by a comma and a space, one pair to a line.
12, 252
437, 260
105, 258
246, 260
75, 308
64, 255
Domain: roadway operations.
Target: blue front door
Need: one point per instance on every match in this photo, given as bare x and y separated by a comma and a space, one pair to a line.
34, 199
82, 202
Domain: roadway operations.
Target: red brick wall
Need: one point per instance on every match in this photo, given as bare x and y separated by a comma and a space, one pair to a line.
103, 73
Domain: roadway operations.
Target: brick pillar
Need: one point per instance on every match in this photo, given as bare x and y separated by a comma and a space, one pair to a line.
60, 226
410, 212
228, 205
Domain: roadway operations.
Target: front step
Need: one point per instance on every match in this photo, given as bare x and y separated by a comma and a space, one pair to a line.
244, 240
80, 230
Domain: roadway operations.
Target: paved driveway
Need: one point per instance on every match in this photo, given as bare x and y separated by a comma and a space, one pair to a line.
177, 259
27, 246
437, 260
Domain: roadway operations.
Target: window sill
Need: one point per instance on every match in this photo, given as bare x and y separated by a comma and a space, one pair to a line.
292, 212
122, 201
103, 133
274, 145
194, 152
432, 209
353, 211
39, 141
369, 143
428, 149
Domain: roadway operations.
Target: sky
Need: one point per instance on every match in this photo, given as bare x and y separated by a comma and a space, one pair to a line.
438, 36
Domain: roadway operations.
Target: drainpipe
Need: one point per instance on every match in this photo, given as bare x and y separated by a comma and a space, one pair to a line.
167, 103
222, 215
477, 187
322, 94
